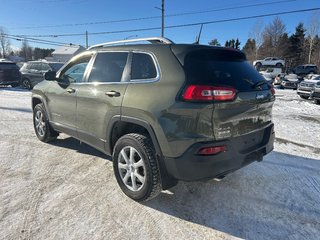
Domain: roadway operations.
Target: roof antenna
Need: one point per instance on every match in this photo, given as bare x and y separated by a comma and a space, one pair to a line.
198, 37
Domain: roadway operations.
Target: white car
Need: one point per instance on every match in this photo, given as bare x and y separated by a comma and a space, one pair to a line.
269, 61
271, 72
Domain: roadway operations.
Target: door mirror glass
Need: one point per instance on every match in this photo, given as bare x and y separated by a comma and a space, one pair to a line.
50, 76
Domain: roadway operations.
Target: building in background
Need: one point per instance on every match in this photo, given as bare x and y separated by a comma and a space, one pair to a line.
64, 53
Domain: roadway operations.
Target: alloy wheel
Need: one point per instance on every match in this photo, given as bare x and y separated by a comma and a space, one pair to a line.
40, 123
132, 168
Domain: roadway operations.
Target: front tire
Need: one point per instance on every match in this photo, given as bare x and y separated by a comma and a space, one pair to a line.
41, 125
258, 66
136, 168
304, 97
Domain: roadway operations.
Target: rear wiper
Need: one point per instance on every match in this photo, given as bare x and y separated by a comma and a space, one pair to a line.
260, 83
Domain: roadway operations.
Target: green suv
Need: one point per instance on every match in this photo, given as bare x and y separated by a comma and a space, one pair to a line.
163, 111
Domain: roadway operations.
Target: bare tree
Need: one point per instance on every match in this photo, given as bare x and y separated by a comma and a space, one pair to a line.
4, 43
26, 50
312, 32
273, 33
257, 35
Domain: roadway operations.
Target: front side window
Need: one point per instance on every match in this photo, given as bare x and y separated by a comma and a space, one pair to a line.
108, 67
143, 67
75, 71
45, 67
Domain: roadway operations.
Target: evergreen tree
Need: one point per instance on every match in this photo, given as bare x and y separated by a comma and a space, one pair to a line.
297, 45
214, 42
237, 44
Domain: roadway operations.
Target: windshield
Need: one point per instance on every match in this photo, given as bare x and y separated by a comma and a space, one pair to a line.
221, 68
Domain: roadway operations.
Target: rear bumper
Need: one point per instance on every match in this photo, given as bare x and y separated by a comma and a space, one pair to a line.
241, 151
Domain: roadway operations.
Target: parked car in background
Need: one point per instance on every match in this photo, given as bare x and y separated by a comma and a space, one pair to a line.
315, 93
306, 69
32, 72
269, 61
290, 81
9, 74
279, 78
306, 87
271, 72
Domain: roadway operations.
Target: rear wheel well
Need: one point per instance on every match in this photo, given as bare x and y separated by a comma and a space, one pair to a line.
122, 128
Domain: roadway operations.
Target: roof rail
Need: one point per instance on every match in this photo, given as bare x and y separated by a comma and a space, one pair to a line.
153, 40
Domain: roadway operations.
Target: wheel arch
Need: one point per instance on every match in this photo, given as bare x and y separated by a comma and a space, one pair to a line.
121, 125
36, 100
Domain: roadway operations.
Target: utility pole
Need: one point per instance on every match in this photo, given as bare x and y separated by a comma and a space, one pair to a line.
162, 17
86, 39
162, 25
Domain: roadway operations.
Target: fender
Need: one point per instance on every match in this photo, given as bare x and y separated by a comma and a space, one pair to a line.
167, 181
136, 121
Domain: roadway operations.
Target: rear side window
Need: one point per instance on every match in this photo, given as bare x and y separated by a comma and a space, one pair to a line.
221, 68
142, 67
36, 66
108, 67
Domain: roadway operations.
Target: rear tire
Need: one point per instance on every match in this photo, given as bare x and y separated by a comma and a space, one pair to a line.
26, 83
41, 124
279, 65
136, 168
316, 101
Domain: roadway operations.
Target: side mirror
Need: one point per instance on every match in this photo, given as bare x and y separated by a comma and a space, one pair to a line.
50, 76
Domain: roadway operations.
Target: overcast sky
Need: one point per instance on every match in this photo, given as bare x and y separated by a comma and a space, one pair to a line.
58, 17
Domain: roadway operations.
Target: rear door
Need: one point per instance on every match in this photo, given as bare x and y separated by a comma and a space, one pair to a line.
250, 110
100, 98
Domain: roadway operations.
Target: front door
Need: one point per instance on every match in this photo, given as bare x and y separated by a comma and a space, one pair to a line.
62, 95
100, 98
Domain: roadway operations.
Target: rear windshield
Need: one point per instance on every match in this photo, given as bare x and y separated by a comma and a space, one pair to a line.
221, 68
56, 66
6, 66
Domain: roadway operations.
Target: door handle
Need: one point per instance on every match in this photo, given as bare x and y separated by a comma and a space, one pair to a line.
113, 94
71, 90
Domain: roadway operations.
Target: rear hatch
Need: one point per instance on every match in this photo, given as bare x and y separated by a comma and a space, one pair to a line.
241, 98
9, 72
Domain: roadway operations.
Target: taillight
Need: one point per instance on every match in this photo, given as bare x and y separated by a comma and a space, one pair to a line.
209, 93
212, 150
273, 92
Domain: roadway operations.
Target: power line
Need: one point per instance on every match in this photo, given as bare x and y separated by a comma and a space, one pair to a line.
155, 17
179, 26
34, 40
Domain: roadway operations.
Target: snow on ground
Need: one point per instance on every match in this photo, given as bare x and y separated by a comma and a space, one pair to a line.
66, 190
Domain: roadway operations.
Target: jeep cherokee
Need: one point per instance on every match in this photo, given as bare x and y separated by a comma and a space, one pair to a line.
164, 111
